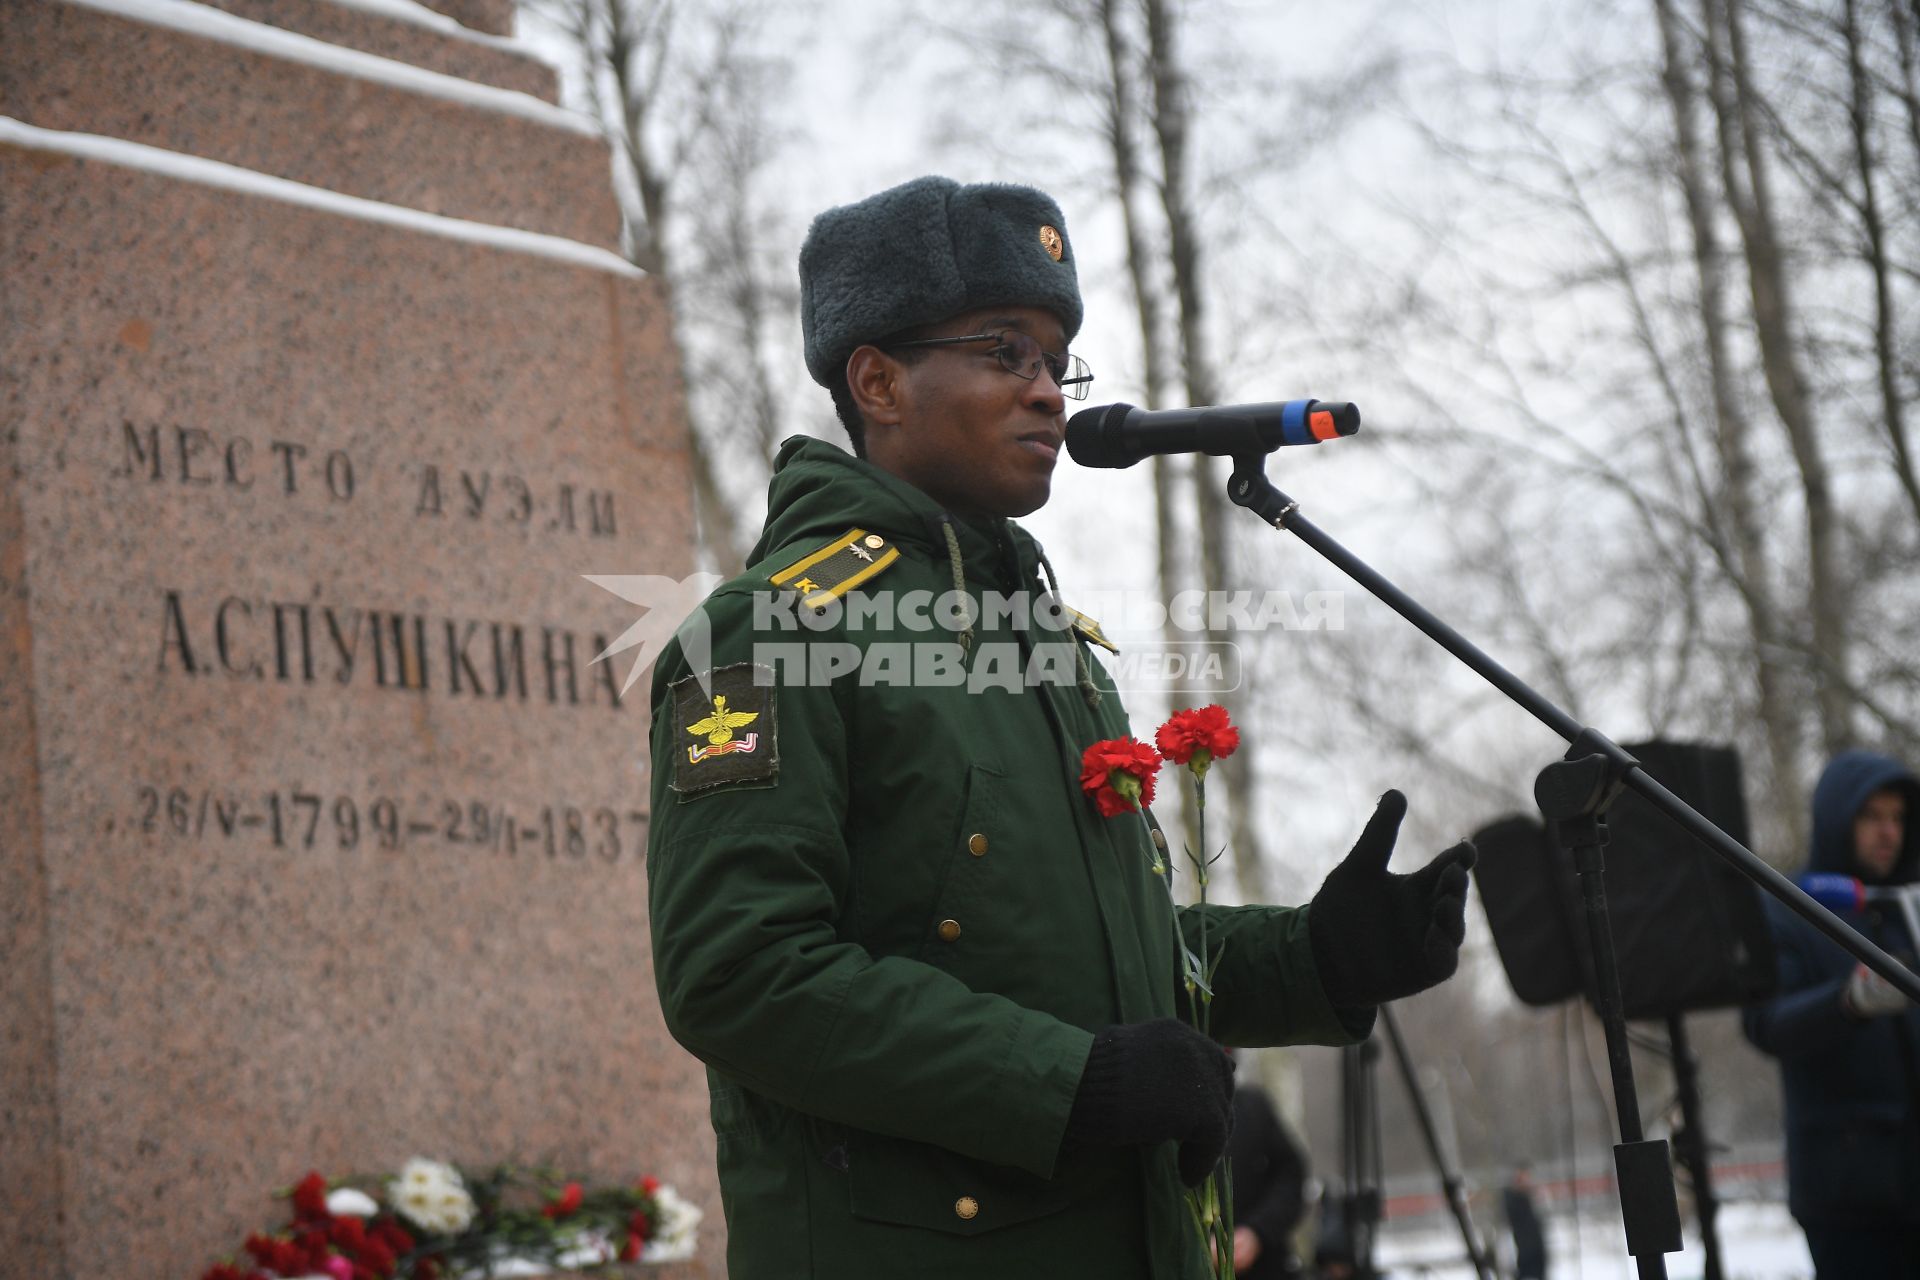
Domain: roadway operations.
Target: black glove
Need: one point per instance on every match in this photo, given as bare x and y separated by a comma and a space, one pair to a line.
1377, 936
1158, 1081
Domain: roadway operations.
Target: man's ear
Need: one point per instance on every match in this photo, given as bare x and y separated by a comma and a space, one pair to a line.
874, 382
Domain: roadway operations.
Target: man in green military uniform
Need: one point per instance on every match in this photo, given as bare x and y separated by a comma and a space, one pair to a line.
937, 993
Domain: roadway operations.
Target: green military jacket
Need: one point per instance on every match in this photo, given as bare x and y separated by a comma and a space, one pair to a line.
888, 920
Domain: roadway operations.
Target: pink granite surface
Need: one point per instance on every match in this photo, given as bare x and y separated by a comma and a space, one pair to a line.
294, 120
190, 376
30, 1177
423, 46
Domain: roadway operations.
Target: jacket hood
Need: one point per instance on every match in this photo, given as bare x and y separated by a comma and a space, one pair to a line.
819, 490
1844, 786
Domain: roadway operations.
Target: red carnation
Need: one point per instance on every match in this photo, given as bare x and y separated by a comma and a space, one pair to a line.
649, 1185
312, 1252
310, 1197
630, 1249
1197, 737
349, 1235
567, 1202
378, 1258
1118, 773
393, 1235
640, 1225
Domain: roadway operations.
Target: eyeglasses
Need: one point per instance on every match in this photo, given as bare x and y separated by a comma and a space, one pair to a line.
1020, 355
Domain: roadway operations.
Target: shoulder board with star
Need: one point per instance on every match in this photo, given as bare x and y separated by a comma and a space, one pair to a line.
1090, 629
838, 567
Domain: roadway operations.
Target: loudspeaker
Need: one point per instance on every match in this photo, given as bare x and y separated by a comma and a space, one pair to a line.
1688, 929
1519, 874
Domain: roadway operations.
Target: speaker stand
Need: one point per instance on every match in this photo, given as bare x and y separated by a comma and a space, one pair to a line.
1691, 1141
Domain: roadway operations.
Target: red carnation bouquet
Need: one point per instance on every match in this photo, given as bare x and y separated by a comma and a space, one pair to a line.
1118, 775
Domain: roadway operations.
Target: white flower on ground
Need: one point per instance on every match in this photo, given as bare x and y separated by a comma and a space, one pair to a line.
347, 1202
431, 1195
675, 1222
423, 1173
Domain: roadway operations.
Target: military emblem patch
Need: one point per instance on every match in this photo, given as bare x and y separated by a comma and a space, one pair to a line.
725, 732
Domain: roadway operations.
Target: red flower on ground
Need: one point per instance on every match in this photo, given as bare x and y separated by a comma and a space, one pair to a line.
649, 1185
377, 1257
1118, 773
279, 1255
310, 1197
1197, 737
392, 1234
308, 1254
640, 1225
349, 1235
567, 1202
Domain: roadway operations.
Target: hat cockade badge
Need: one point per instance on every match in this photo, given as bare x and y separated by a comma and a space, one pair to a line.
1050, 241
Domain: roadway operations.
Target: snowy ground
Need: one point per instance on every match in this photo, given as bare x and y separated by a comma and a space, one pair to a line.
1758, 1241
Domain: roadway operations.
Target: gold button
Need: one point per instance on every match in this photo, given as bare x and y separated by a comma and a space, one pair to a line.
1159, 839
875, 541
966, 1207
949, 930
976, 844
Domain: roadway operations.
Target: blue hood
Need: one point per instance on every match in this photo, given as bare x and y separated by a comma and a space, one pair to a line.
1848, 780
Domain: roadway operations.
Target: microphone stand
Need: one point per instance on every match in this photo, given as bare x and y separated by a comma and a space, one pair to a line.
1361, 1163
1451, 1184
1574, 795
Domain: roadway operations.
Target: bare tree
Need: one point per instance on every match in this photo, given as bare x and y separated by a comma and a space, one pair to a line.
683, 94
1729, 503
1122, 98
1746, 175
1861, 94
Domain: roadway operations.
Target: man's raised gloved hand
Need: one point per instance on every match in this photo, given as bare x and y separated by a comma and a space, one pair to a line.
1378, 936
1158, 1081
1868, 995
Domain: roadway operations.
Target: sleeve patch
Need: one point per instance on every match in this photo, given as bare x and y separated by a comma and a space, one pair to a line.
725, 729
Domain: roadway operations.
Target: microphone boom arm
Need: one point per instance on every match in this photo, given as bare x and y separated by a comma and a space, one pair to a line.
1249, 487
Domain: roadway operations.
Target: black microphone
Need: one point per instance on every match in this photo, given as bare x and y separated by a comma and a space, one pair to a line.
1119, 435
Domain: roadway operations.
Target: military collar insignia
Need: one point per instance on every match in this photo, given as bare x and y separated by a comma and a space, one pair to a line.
1089, 628
838, 567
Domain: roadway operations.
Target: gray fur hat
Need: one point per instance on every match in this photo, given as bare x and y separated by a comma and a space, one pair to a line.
926, 250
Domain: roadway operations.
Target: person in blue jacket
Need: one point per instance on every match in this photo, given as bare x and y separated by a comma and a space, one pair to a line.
1847, 1041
